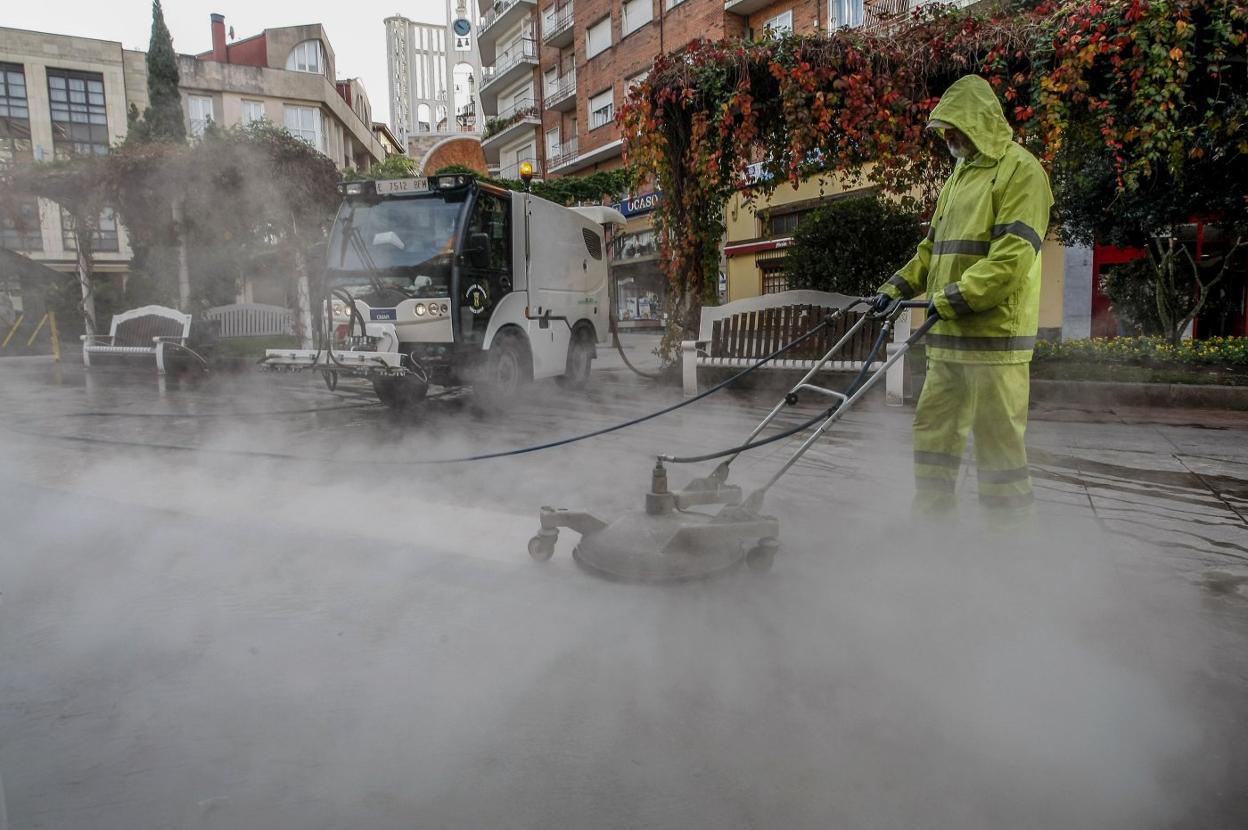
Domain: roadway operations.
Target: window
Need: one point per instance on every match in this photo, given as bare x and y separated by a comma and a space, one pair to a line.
79, 120
774, 278
602, 109
19, 227
104, 234
492, 216
253, 111
780, 24
308, 56
635, 245
200, 107
598, 37
552, 143
671, 4
633, 81
306, 123
846, 13
14, 116
785, 224
637, 13
552, 80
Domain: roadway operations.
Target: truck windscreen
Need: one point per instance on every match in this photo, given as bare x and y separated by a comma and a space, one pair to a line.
399, 244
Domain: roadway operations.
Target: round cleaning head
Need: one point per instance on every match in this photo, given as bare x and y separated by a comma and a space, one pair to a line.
640, 547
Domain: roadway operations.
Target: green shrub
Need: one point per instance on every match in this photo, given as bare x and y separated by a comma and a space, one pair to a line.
1227, 352
851, 245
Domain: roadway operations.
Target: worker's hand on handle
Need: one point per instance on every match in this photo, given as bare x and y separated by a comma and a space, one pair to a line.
881, 303
931, 309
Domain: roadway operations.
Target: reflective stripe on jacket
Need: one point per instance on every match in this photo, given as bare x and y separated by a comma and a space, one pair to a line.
980, 261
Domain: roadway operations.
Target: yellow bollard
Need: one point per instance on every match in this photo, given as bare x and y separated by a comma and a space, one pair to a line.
12, 331
30, 341
56, 337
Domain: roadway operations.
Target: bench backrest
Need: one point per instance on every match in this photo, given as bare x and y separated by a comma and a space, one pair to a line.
138, 326
756, 327
253, 320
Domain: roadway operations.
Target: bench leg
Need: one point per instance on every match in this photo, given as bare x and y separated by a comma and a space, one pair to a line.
86, 357
689, 367
160, 358
895, 380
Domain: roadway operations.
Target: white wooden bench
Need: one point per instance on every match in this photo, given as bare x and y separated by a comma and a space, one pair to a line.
139, 332
740, 333
253, 320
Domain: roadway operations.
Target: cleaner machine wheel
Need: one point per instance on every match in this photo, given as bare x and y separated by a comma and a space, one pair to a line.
668, 541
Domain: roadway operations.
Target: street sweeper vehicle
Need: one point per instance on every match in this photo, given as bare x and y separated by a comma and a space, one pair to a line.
449, 281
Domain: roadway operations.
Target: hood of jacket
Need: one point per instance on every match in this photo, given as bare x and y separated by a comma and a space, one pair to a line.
970, 105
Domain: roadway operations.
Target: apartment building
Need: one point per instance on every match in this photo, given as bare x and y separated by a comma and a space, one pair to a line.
62, 95
287, 76
435, 77
511, 97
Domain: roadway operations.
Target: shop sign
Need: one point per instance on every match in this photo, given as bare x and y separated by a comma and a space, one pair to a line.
643, 203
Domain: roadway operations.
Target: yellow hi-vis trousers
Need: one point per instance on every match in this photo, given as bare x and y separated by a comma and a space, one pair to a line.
989, 400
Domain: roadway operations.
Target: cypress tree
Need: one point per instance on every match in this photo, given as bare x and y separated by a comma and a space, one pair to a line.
163, 117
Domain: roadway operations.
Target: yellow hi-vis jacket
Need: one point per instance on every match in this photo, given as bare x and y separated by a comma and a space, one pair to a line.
980, 262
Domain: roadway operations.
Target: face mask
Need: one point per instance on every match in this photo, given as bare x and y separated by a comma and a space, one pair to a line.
958, 151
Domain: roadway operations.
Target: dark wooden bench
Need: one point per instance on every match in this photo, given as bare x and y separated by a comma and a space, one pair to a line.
740, 333
140, 333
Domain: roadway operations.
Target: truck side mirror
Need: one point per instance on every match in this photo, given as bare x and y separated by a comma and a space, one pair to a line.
477, 249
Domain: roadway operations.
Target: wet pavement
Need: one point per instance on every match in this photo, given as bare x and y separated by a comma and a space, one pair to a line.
247, 601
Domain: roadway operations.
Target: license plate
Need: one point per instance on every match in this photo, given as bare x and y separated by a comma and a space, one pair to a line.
388, 187
383, 314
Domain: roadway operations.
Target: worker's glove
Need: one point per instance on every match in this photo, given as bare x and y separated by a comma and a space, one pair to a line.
931, 309
881, 303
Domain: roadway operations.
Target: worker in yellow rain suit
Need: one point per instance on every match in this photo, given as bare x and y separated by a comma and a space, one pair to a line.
980, 268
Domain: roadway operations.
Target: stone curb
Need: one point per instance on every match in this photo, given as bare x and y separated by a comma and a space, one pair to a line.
1184, 395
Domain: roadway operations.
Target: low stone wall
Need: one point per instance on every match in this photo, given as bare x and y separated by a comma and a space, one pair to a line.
1104, 393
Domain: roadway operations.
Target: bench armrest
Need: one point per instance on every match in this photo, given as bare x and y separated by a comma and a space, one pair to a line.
92, 339
169, 338
689, 365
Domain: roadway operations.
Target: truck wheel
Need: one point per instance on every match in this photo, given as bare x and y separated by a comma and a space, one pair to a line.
580, 359
401, 394
506, 369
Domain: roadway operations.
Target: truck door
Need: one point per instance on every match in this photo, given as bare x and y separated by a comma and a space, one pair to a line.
482, 284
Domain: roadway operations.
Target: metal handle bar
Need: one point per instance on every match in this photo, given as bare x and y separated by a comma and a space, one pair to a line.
890, 313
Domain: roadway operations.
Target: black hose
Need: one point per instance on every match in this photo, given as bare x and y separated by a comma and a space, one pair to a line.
481, 456
827, 413
647, 375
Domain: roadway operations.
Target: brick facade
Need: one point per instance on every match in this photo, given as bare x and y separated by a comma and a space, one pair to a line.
669, 29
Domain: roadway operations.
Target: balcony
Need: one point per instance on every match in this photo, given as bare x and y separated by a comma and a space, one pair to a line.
499, 17
561, 95
508, 125
746, 7
567, 157
883, 16
512, 64
558, 26
562, 154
